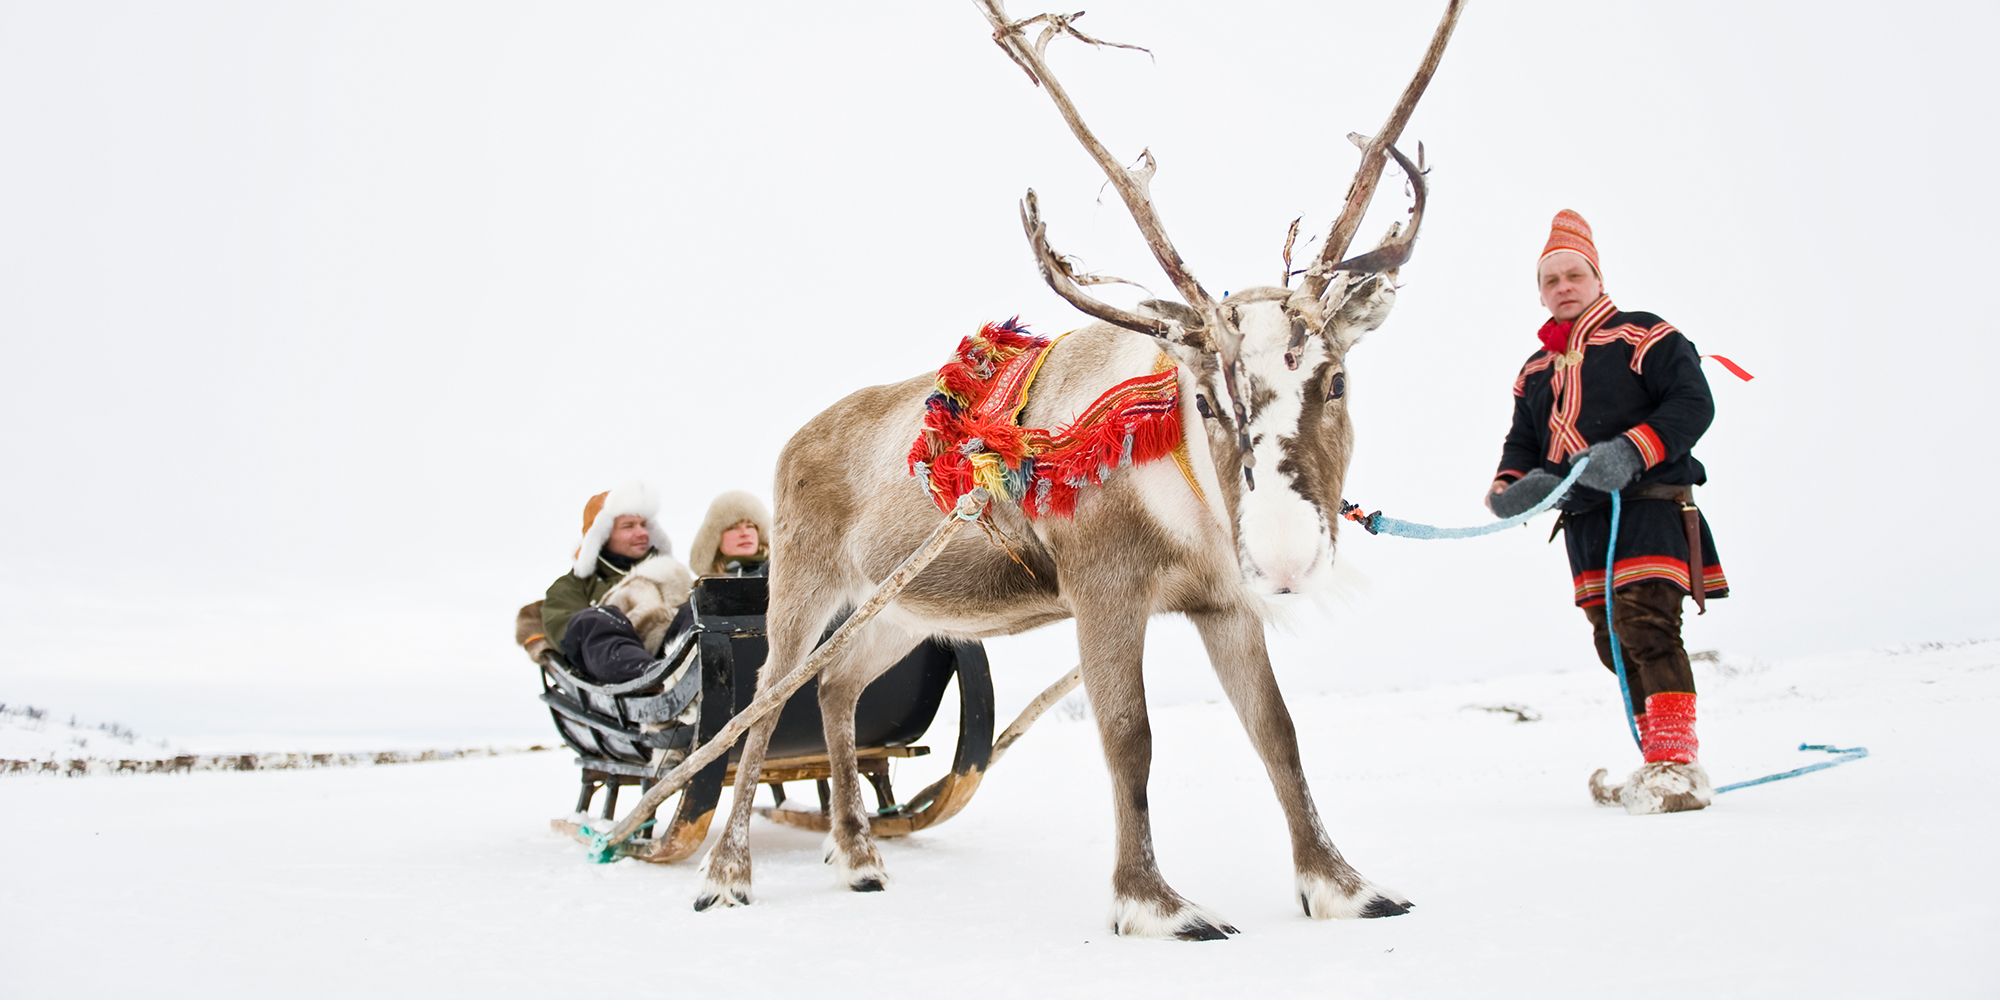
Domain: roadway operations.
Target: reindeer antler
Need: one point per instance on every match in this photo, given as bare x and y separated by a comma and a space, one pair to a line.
1373, 156
1132, 186
1060, 276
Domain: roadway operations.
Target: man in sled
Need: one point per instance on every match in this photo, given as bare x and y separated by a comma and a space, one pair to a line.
625, 593
1626, 389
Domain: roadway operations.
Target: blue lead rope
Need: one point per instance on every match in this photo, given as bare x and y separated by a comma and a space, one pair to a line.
1611, 626
1851, 753
1378, 524
1625, 689
1381, 524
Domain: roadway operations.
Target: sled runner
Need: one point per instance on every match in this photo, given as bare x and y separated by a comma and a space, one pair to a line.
708, 674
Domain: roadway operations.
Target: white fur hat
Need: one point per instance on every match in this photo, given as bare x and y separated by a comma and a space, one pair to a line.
728, 509
603, 511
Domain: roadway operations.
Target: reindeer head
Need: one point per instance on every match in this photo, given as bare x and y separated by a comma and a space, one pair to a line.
1283, 461
1271, 361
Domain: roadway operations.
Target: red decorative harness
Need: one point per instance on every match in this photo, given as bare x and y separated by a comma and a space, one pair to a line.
972, 435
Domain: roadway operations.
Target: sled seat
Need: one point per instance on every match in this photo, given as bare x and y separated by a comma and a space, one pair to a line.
634, 732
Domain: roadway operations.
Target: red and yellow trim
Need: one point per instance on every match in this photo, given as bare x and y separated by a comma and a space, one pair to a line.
1642, 339
1535, 364
1648, 443
1590, 583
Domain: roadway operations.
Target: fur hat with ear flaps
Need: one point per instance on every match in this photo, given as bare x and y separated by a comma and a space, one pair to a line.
729, 508
602, 512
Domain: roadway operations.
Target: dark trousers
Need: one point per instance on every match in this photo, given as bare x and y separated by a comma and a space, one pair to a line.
1649, 636
602, 644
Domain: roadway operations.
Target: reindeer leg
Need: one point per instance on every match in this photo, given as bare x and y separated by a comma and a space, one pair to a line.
1327, 885
1111, 637
850, 848
725, 872
794, 629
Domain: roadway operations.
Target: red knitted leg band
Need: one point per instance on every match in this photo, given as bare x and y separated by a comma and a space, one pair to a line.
1669, 732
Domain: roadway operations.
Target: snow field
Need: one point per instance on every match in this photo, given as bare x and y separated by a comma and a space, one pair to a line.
443, 880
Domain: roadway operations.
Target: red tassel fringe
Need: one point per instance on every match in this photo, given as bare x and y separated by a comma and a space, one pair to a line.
984, 385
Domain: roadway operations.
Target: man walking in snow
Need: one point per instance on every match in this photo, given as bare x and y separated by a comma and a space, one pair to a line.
1626, 389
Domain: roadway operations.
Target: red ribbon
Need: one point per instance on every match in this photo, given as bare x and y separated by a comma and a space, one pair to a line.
1734, 369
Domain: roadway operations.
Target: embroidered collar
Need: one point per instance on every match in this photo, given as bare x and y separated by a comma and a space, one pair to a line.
1564, 439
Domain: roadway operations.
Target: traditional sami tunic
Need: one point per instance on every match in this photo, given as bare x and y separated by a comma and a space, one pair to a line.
1630, 374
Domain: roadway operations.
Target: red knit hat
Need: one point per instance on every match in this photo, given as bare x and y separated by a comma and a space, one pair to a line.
1568, 231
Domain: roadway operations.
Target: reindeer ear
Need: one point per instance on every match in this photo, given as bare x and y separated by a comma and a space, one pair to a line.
1364, 306
1193, 336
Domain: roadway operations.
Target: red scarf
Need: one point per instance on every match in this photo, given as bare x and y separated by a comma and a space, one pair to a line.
1555, 336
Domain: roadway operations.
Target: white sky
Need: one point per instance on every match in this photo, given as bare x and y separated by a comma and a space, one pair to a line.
321, 320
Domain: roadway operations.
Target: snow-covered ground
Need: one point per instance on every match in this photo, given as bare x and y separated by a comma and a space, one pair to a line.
1872, 878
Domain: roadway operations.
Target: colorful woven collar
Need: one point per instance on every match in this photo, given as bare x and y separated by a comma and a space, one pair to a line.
972, 435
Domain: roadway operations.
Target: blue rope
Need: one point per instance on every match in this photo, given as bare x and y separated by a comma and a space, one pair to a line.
1611, 625
1379, 524
1851, 753
1625, 690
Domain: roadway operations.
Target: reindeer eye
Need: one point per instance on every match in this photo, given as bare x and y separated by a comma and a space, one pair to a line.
1201, 406
1338, 386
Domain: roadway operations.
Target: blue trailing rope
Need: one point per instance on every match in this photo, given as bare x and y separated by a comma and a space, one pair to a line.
1625, 690
1378, 524
1851, 753
1611, 626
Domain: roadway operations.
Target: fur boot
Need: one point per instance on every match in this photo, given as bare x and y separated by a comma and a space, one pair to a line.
1665, 786
1601, 793
1658, 787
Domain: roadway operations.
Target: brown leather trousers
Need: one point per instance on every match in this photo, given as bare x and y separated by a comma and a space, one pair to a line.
1649, 636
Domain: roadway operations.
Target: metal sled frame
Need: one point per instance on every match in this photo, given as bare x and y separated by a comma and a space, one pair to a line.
615, 728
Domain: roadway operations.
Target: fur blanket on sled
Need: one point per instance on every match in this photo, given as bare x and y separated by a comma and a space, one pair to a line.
650, 595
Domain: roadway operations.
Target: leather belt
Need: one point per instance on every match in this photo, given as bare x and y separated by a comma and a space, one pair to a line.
1690, 520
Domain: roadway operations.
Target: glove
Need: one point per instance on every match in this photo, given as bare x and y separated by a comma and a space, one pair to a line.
1525, 493
1613, 465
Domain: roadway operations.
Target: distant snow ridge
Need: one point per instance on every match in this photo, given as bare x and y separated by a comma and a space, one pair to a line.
30, 733
30, 743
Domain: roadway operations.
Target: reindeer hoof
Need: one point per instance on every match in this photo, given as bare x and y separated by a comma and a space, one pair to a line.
1187, 922
867, 884
1323, 899
714, 898
1202, 930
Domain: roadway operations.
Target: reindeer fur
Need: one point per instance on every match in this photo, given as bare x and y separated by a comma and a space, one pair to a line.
1142, 543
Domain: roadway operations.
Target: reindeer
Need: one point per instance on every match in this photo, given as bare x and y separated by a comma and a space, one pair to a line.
1255, 514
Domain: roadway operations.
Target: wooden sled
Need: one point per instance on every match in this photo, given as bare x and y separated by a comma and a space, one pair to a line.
634, 733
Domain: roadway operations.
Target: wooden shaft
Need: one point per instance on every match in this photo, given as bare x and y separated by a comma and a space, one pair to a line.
1042, 703
774, 698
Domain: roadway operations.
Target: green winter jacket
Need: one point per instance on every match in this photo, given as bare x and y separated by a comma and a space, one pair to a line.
569, 595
